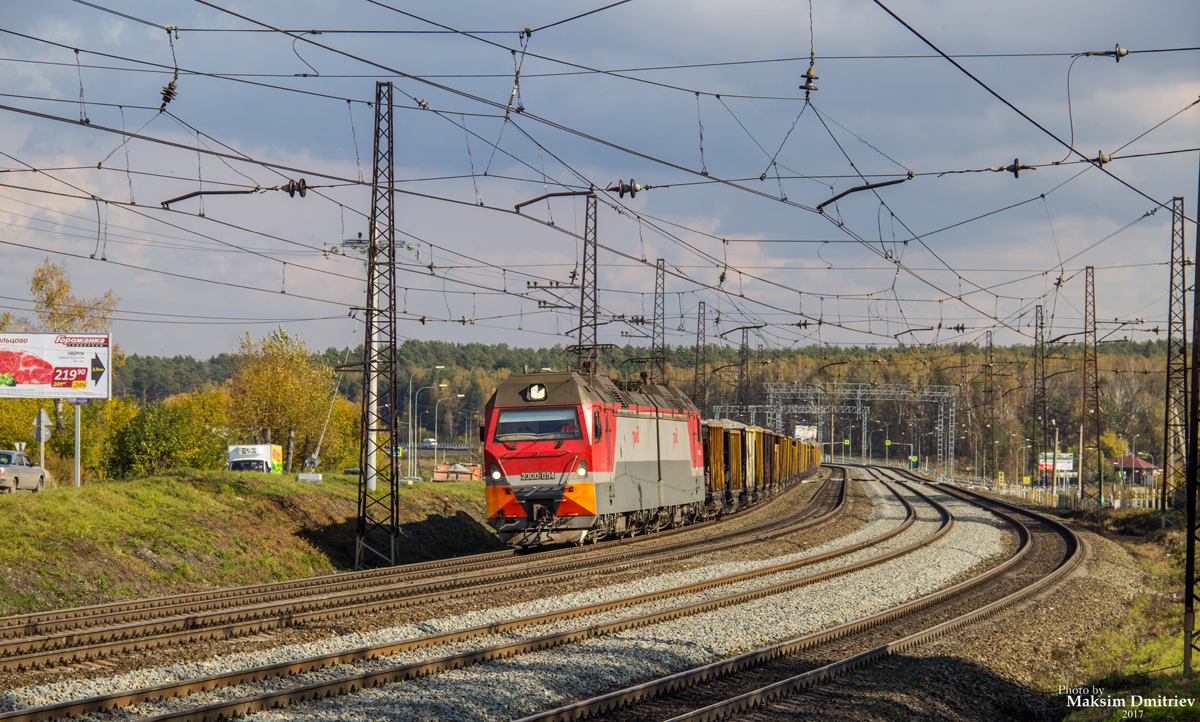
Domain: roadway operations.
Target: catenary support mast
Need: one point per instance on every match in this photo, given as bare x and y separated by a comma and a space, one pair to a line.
1091, 467
378, 500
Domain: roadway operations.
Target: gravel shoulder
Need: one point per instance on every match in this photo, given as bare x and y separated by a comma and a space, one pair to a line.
1005, 668
504, 688
130, 670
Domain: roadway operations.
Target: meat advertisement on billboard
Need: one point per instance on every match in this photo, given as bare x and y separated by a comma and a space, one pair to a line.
55, 365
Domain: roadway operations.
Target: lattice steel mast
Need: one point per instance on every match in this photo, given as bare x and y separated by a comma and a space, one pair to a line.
1041, 409
744, 358
658, 342
379, 511
588, 351
989, 391
1193, 457
1175, 420
1091, 465
700, 381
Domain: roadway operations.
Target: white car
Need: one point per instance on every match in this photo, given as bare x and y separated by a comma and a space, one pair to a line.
18, 472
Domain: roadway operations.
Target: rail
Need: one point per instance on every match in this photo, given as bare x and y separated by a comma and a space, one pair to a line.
764, 695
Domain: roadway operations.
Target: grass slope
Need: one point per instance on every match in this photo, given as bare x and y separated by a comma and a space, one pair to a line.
188, 530
1142, 656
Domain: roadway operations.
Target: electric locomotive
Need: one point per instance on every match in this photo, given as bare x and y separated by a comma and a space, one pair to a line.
571, 458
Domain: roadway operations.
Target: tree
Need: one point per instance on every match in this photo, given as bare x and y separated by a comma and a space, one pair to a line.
166, 436
57, 310
277, 387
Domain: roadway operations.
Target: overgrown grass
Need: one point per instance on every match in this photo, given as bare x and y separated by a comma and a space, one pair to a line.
1142, 655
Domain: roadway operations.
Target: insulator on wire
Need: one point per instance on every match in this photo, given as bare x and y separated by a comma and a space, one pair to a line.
292, 187
809, 76
168, 94
1117, 53
632, 188
1015, 168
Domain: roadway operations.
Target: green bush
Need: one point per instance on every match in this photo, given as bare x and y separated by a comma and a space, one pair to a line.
165, 436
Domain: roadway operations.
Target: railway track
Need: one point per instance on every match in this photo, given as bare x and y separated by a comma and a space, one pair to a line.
59, 620
344, 684
755, 680
122, 628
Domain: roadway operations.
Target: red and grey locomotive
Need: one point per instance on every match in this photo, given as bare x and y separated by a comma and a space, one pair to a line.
570, 458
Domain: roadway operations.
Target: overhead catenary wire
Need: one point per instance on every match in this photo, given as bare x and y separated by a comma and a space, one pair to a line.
851, 241
1022, 113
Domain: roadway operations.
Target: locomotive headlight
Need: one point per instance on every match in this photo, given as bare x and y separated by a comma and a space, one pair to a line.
495, 473
582, 470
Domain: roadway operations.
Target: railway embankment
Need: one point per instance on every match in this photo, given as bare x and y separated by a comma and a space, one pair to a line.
1113, 625
189, 530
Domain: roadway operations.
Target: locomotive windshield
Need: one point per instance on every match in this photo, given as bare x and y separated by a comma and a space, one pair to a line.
538, 424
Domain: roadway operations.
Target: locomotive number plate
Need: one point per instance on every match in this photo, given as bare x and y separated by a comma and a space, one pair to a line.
535, 475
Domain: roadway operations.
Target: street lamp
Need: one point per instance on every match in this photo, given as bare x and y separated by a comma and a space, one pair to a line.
871, 439
435, 425
967, 438
1054, 460
985, 450
1133, 471
974, 445
412, 427
1024, 456
417, 398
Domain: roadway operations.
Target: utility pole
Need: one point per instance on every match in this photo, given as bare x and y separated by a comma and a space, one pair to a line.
1193, 449
744, 357
1175, 423
378, 513
1091, 465
699, 384
658, 342
588, 352
989, 390
1041, 429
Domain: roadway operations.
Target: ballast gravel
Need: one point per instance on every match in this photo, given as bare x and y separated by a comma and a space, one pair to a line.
508, 688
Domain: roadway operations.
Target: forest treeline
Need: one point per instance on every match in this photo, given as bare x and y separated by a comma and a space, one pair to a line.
180, 411
1131, 389
155, 378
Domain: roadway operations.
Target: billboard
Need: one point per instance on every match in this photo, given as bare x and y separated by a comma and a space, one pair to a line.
55, 365
806, 433
1066, 462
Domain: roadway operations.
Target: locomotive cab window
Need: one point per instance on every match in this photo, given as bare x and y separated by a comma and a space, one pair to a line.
597, 429
561, 424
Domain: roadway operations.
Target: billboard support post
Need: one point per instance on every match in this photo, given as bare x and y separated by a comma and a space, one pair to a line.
41, 433
76, 444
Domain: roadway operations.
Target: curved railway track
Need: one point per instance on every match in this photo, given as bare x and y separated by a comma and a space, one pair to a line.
353, 682
40, 623
64, 637
1047, 551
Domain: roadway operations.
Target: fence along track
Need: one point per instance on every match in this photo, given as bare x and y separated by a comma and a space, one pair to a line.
408, 671
60, 620
797, 683
71, 646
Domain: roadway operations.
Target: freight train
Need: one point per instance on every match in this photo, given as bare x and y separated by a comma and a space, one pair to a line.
570, 458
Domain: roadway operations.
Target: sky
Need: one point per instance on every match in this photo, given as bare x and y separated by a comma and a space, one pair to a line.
698, 98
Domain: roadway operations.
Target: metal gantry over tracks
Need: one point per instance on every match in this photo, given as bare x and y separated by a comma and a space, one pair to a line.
794, 399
